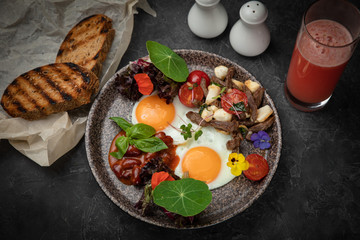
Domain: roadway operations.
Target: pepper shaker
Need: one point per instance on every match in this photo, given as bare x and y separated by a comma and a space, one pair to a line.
207, 18
250, 36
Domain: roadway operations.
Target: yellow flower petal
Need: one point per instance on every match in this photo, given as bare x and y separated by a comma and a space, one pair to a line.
244, 166
232, 155
236, 171
241, 158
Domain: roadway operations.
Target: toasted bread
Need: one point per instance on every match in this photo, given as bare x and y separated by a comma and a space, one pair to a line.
49, 89
88, 43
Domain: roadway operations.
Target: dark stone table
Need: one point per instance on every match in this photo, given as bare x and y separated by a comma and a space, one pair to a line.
315, 192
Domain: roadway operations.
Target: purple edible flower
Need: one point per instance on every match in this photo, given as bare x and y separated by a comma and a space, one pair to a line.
261, 140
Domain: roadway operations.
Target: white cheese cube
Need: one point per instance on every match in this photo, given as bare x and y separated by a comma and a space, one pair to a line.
221, 71
207, 115
213, 92
221, 115
239, 84
263, 113
253, 86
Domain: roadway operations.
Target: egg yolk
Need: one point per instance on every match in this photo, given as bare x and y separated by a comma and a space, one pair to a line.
154, 111
202, 163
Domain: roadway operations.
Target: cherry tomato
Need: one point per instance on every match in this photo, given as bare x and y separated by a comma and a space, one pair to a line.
196, 76
258, 167
232, 97
190, 94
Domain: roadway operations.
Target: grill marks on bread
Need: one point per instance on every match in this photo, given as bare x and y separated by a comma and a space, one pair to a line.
49, 89
88, 43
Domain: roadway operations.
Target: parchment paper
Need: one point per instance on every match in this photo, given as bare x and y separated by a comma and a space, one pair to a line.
30, 35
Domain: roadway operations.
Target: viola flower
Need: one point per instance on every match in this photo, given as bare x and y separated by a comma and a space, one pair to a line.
237, 163
261, 140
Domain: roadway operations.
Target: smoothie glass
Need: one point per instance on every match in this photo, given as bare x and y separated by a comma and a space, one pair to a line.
327, 38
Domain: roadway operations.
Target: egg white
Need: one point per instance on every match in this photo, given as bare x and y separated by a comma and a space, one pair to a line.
210, 138
215, 140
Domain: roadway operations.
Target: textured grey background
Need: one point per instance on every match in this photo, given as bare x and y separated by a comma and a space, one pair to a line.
315, 193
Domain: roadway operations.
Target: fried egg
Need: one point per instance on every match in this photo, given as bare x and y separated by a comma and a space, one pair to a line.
205, 159
154, 111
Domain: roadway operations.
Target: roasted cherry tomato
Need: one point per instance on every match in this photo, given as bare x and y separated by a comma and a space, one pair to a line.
234, 96
196, 76
258, 167
190, 94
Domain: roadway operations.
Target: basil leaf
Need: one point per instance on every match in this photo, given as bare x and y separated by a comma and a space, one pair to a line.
167, 61
240, 107
202, 107
186, 197
121, 122
140, 131
122, 144
151, 145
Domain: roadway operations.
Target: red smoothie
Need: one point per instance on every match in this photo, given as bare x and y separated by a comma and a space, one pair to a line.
315, 68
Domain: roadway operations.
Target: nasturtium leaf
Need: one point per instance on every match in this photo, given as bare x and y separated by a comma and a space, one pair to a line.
151, 145
140, 130
167, 61
186, 197
121, 122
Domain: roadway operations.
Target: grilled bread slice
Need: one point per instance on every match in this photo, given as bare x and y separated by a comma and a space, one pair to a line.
49, 89
88, 43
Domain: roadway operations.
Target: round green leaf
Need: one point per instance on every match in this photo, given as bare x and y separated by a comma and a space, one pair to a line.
167, 61
186, 197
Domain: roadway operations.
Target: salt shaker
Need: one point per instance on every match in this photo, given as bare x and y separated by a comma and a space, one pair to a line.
250, 36
207, 18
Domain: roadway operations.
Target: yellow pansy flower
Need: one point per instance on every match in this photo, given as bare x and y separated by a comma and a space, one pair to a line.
237, 163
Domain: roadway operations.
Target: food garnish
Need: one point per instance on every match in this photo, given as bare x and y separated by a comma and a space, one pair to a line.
158, 177
187, 132
140, 135
167, 61
261, 140
186, 196
143, 80
237, 163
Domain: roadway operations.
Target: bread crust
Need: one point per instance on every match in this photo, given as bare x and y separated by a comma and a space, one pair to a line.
49, 89
88, 43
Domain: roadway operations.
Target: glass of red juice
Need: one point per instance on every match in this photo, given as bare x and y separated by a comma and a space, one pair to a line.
327, 38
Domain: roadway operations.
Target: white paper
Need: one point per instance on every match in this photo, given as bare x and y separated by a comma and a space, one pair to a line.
30, 35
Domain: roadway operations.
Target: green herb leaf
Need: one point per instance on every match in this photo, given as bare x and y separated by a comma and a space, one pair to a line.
121, 122
240, 107
202, 107
198, 134
122, 144
186, 197
140, 131
243, 131
218, 96
151, 145
186, 131
167, 61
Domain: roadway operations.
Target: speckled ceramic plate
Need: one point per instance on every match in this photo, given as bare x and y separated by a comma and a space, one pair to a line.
228, 201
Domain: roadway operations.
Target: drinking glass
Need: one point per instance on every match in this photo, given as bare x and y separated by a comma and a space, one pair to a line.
329, 33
